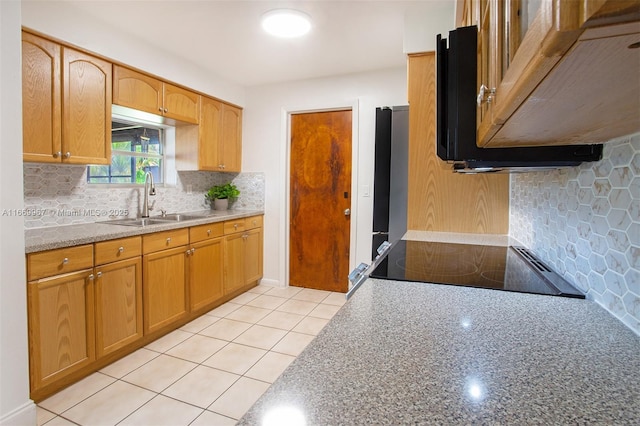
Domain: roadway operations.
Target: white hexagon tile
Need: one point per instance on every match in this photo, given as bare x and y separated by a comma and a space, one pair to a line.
75, 201
585, 223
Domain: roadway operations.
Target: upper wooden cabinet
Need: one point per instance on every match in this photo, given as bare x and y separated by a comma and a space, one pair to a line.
564, 72
217, 143
66, 104
145, 93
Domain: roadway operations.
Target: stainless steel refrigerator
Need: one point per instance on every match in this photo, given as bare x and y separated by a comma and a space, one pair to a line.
390, 175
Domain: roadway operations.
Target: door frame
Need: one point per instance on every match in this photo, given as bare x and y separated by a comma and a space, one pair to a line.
285, 129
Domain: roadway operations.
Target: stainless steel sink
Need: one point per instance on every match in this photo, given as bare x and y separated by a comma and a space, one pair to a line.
156, 220
177, 217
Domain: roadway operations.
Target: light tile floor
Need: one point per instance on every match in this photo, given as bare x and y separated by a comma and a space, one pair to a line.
209, 372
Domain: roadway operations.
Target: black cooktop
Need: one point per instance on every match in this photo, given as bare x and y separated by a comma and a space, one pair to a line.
495, 267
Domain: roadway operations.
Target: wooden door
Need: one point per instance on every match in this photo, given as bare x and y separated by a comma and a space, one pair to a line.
118, 304
41, 106
181, 104
252, 255
164, 288
136, 90
231, 138
61, 326
233, 262
320, 194
86, 125
206, 273
210, 135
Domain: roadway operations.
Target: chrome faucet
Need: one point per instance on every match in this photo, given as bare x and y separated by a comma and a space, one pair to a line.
148, 177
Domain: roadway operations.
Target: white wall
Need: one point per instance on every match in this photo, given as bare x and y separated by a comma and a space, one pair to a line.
265, 148
426, 19
15, 406
62, 20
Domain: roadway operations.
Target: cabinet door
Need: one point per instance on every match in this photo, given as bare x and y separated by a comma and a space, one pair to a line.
61, 326
252, 255
136, 90
164, 288
41, 106
210, 135
118, 288
181, 104
86, 125
233, 262
231, 138
206, 273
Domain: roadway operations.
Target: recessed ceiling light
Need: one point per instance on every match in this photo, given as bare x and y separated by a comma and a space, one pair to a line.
286, 23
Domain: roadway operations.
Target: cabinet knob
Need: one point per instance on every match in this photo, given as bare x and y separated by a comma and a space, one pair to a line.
193, 250
160, 109
169, 240
67, 154
65, 260
57, 154
235, 226
166, 110
91, 277
99, 274
120, 249
208, 231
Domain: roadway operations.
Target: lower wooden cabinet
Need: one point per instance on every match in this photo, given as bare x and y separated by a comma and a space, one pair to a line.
90, 304
118, 293
164, 286
118, 288
61, 326
206, 265
243, 255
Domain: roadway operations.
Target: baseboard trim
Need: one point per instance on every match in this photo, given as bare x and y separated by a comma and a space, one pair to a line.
24, 415
271, 283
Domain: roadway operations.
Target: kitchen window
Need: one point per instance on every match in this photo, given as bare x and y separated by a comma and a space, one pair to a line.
135, 150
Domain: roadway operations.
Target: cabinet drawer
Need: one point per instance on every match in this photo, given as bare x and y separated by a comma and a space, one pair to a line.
164, 240
114, 250
253, 222
205, 232
233, 226
59, 261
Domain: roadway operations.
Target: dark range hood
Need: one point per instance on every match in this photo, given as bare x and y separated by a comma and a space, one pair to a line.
456, 118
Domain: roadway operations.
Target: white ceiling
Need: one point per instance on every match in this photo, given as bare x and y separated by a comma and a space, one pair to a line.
225, 37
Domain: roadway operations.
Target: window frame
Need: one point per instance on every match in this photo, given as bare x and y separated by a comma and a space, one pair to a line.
133, 154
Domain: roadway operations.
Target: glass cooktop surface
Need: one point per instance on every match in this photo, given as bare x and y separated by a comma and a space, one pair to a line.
494, 267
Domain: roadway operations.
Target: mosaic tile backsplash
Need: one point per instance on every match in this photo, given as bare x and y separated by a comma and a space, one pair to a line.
60, 195
585, 223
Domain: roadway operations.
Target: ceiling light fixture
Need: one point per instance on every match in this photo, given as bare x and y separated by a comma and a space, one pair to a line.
286, 23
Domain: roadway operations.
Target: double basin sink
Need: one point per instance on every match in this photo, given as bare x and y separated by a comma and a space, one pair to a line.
156, 220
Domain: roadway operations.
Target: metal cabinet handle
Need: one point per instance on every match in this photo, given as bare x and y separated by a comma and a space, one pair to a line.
193, 250
169, 240
166, 110
120, 249
65, 260
91, 277
67, 155
347, 212
57, 154
208, 231
160, 109
235, 226
99, 274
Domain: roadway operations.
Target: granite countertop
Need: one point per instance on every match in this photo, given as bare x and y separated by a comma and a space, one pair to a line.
414, 353
40, 239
